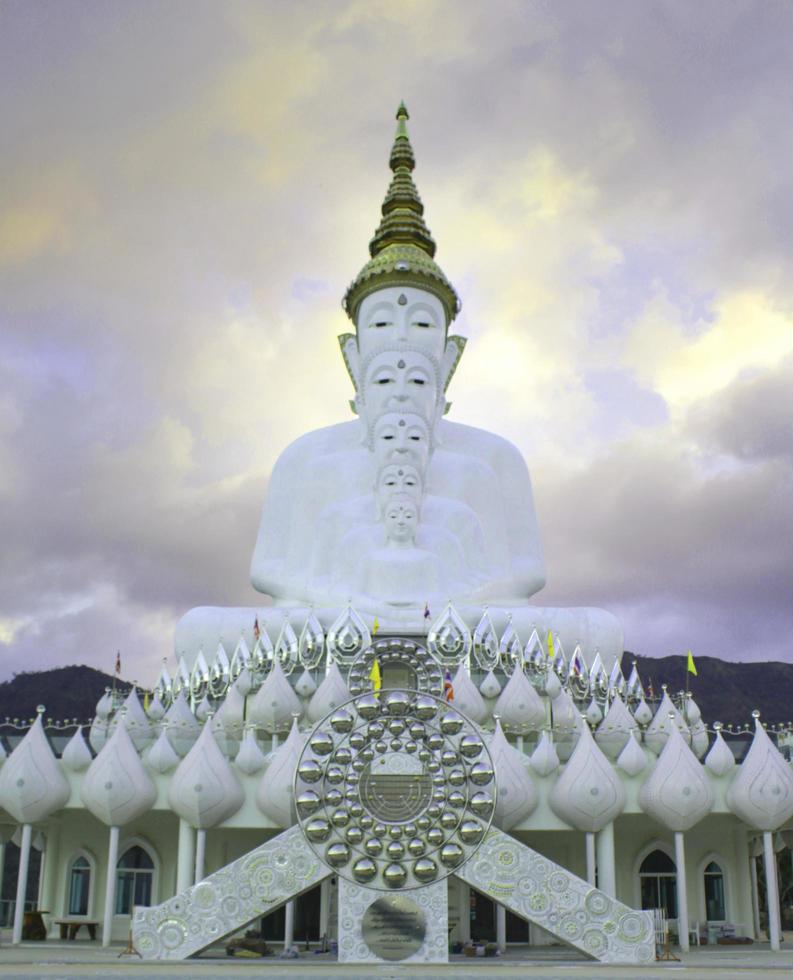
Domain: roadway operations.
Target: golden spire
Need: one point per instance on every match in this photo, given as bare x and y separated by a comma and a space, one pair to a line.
402, 249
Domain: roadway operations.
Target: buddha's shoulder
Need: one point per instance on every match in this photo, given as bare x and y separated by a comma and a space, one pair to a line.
471, 441
342, 437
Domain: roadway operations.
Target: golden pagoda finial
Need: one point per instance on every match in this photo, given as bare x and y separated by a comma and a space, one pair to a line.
402, 249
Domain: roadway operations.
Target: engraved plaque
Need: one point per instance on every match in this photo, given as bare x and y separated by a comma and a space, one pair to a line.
394, 927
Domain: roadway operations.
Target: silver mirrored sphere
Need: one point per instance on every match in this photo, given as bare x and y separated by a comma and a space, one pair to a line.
395, 875
337, 854
425, 870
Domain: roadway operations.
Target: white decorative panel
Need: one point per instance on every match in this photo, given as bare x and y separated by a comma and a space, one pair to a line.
229, 899
569, 908
431, 910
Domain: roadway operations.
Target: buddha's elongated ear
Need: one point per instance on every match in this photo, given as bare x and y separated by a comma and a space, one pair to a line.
455, 345
352, 361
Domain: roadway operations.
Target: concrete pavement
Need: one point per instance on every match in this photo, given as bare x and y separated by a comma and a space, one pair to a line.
83, 960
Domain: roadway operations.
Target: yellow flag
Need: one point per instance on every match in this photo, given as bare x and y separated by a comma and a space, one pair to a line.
374, 675
375, 626
550, 645
146, 701
691, 666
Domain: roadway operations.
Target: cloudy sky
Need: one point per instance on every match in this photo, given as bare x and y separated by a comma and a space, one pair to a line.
186, 189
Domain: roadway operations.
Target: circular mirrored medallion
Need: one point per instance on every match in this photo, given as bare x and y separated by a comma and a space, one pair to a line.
395, 789
394, 927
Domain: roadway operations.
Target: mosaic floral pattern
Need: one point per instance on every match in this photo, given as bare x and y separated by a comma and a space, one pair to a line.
229, 899
536, 889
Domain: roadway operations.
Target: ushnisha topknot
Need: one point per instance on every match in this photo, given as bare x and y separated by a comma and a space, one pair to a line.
402, 250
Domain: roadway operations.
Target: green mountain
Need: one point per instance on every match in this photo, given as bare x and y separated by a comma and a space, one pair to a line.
65, 692
725, 691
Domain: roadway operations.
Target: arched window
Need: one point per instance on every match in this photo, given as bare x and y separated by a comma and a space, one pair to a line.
715, 906
134, 876
79, 886
658, 880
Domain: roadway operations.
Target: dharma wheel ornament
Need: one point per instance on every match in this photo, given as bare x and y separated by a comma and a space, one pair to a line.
395, 789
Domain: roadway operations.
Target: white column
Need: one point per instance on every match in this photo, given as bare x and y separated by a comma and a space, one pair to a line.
42, 870
324, 908
771, 889
607, 874
590, 859
22, 881
110, 886
289, 924
755, 892
200, 852
49, 879
185, 857
501, 927
465, 911
2, 861
682, 894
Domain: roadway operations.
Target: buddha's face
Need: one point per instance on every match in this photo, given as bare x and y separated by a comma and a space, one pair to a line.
401, 314
399, 381
401, 520
401, 438
398, 478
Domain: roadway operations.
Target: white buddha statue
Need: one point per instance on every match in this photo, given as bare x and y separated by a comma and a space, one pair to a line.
337, 510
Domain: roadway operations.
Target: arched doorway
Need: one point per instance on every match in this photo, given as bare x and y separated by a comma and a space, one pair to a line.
658, 882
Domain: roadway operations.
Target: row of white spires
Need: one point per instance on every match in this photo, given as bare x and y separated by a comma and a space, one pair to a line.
587, 792
448, 639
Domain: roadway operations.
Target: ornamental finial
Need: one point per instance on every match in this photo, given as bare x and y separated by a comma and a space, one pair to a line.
402, 249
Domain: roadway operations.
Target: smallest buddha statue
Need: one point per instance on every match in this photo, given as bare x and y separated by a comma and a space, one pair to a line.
398, 572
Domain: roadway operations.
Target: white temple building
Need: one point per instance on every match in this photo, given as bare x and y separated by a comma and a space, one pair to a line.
402, 724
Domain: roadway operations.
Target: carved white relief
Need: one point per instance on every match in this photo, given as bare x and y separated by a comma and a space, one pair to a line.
643, 713
275, 703
137, 724
275, 793
250, 758
116, 788
104, 705
98, 733
614, 731
156, 709
589, 794
32, 785
720, 759
761, 792
677, 793
658, 730
162, 757
490, 688
632, 759
183, 727
76, 756
467, 698
329, 695
516, 793
305, 685
519, 706
205, 790
567, 724
544, 759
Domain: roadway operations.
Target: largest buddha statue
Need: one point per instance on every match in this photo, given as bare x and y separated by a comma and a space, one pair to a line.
399, 510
